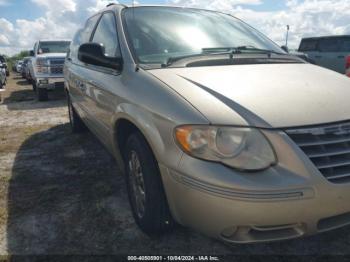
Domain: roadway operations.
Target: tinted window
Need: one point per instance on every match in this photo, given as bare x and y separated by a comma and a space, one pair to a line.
345, 44
308, 45
106, 34
329, 45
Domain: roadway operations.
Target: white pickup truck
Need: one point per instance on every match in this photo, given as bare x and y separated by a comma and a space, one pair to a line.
46, 68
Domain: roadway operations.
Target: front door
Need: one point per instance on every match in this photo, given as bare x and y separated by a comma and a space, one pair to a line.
101, 84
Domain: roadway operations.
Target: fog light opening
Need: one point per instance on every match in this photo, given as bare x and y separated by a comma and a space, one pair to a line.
43, 82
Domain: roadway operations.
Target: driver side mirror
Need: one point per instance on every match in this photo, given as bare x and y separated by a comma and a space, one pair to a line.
31, 53
285, 48
94, 54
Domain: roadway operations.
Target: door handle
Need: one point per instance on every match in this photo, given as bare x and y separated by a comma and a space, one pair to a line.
79, 84
82, 86
318, 56
341, 56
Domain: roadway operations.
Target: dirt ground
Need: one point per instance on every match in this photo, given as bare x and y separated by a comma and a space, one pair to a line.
63, 194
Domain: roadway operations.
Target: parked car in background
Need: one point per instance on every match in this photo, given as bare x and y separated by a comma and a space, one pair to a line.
19, 66
28, 74
329, 51
302, 56
46, 68
3, 61
217, 127
2, 75
347, 68
25, 67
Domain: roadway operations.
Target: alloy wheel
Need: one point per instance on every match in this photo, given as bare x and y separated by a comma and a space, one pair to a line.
137, 184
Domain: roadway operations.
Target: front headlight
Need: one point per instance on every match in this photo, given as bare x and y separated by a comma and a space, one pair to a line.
42, 65
241, 148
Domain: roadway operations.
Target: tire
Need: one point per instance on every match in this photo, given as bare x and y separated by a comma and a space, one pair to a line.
42, 94
1, 85
77, 125
34, 86
154, 218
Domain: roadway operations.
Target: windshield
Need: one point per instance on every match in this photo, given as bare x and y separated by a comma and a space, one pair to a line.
158, 33
53, 47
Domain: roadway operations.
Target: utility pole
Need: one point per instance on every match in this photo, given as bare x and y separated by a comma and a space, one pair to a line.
287, 35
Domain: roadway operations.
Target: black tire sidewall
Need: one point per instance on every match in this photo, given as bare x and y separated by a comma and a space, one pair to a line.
76, 124
156, 206
42, 94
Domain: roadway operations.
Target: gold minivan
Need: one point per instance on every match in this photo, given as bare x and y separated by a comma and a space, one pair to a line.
216, 127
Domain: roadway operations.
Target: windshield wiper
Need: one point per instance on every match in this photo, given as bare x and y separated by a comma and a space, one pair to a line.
174, 59
239, 50
231, 51
258, 50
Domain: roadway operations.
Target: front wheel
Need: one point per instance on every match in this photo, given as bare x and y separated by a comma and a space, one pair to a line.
145, 188
42, 94
77, 125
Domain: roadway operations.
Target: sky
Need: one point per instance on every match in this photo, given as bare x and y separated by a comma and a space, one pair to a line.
22, 22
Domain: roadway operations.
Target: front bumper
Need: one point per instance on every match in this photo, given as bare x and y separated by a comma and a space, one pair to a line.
49, 83
287, 201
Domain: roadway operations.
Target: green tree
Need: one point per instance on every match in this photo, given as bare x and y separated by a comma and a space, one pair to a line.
12, 60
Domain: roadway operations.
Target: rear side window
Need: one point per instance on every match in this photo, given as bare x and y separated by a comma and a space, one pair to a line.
308, 45
335, 44
344, 44
106, 34
329, 45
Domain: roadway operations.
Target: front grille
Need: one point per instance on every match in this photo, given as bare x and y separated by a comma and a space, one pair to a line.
57, 62
328, 147
56, 66
56, 70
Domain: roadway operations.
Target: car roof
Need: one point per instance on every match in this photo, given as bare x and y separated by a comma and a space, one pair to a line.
321, 37
115, 6
55, 40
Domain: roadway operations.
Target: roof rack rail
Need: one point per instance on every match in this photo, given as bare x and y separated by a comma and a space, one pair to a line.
110, 4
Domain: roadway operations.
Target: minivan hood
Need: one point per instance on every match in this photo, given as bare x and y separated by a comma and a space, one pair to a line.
267, 95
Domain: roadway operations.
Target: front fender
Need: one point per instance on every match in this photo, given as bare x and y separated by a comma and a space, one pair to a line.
157, 130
